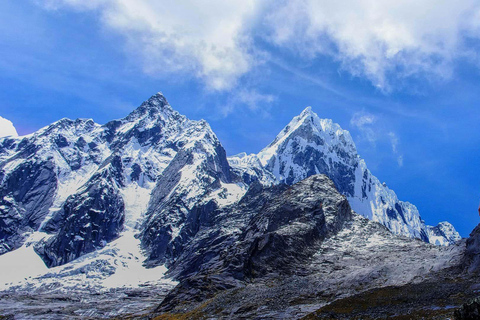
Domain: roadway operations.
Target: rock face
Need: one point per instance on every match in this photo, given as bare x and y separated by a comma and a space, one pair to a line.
192, 176
91, 218
26, 196
472, 254
283, 250
469, 311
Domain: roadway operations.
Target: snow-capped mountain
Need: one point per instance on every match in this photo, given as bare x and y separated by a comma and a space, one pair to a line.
84, 183
152, 199
309, 145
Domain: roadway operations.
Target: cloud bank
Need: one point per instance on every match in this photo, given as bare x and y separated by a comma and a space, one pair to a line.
216, 41
379, 40
7, 128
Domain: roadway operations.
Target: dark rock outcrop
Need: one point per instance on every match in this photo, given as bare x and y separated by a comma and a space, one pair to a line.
272, 230
469, 311
472, 252
173, 213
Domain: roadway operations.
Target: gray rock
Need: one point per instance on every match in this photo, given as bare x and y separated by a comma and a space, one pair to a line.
26, 195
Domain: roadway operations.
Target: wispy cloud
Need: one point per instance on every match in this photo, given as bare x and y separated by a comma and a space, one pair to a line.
250, 99
394, 143
363, 122
400, 160
360, 120
372, 131
302, 75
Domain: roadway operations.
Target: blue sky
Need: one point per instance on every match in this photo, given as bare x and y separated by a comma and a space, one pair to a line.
403, 78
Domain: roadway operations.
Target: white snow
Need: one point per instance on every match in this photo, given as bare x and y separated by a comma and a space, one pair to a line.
130, 272
136, 202
228, 194
7, 129
118, 264
20, 265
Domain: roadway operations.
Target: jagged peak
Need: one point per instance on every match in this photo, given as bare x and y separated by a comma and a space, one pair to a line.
157, 101
158, 97
244, 159
306, 123
306, 112
68, 124
240, 155
309, 118
156, 104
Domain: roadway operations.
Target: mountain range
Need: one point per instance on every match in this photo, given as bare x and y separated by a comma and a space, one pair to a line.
153, 200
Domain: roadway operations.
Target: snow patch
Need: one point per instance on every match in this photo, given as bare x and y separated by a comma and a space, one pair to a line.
7, 129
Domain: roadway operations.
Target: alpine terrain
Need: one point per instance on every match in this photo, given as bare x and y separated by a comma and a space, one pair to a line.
146, 217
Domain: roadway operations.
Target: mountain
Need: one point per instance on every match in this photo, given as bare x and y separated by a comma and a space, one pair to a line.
309, 145
150, 204
83, 183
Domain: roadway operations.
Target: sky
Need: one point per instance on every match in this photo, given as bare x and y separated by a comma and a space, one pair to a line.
402, 76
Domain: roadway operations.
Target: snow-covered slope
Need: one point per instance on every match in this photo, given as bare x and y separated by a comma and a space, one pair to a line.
309, 145
250, 169
444, 230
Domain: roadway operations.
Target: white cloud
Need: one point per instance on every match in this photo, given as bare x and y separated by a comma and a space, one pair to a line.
393, 141
207, 38
361, 119
379, 39
7, 128
400, 160
372, 131
214, 40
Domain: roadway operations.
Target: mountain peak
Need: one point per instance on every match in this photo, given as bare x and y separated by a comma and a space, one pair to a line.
307, 112
159, 97
154, 105
310, 119
309, 127
157, 101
